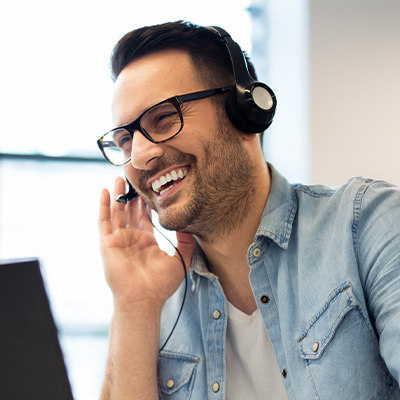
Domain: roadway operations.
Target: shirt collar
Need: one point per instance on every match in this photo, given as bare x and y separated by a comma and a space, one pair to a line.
280, 210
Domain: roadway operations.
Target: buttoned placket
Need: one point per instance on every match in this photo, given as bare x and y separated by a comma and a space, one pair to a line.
216, 341
266, 303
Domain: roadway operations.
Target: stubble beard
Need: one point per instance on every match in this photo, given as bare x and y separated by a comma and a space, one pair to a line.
221, 196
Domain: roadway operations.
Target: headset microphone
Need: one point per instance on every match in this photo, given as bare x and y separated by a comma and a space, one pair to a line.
251, 104
125, 198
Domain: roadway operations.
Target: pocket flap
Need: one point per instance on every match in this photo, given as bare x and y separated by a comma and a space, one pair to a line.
175, 370
322, 327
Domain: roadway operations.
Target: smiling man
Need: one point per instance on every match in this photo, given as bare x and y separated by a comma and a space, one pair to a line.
211, 159
293, 291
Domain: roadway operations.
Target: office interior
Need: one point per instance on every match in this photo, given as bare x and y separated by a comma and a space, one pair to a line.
334, 66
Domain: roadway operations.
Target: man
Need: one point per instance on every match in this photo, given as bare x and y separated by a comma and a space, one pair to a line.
293, 291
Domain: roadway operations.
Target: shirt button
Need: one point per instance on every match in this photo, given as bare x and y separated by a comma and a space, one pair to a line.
265, 299
256, 252
284, 373
217, 314
315, 347
170, 383
215, 387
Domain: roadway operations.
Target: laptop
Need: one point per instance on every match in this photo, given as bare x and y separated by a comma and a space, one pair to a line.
31, 362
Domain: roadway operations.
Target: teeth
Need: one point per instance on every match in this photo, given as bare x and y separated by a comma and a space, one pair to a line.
156, 185
174, 175
170, 176
166, 190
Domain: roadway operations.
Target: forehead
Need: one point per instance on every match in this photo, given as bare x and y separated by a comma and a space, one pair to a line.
151, 79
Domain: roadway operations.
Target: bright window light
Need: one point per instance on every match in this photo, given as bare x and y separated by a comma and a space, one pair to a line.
55, 101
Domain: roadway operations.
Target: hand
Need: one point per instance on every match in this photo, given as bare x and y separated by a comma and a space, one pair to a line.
135, 268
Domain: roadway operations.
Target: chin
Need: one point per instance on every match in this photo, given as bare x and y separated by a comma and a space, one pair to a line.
171, 222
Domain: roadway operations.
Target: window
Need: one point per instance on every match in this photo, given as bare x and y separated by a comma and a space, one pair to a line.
55, 81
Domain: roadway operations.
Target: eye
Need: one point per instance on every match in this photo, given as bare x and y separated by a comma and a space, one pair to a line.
161, 120
122, 139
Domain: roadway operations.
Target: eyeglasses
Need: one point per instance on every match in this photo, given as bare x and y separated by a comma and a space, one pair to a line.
159, 123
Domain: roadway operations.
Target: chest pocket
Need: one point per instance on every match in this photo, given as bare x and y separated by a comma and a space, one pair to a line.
176, 375
340, 350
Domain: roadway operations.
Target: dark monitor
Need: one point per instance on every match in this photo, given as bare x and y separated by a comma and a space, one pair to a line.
31, 362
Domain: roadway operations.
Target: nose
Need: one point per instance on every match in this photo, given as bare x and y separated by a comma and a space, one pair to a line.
144, 152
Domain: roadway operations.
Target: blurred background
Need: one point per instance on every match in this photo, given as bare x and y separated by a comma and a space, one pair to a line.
334, 67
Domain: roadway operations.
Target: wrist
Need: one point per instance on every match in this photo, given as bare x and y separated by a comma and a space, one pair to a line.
139, 322
137, 308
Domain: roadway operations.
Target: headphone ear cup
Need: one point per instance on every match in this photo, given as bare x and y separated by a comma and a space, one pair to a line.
239, 117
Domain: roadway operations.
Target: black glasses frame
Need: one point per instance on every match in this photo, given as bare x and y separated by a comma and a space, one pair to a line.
176, 101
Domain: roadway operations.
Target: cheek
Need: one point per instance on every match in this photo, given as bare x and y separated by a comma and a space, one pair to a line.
207, 149
131, 175
216, 149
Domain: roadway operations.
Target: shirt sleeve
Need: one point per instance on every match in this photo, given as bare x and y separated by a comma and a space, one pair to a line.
376, 233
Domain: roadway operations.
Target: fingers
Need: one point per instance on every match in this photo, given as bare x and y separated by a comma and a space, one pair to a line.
122, 215
104, 213
118, 215
137, 215
145, 223
112, 214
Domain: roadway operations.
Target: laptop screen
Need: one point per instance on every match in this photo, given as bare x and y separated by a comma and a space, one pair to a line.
31, 362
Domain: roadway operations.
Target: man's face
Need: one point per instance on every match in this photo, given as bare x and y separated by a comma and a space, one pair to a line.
195, 180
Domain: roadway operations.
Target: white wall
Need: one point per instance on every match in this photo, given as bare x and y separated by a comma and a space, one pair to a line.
280, 54
354, 89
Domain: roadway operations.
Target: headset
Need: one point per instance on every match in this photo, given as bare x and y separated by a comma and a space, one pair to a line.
251, 104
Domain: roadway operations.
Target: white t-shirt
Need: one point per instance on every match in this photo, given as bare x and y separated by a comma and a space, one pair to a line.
251, 368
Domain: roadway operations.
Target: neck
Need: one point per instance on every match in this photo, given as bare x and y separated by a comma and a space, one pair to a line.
226, 254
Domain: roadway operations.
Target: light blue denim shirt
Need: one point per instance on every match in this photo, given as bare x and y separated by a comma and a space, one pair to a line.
325, 272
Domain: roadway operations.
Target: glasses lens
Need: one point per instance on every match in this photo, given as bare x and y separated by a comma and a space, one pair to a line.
162, 121
159, 123
117, 146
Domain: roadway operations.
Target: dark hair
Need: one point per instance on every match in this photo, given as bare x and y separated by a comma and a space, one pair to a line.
206, 49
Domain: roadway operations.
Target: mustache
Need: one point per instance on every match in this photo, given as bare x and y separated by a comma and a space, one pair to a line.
163, 163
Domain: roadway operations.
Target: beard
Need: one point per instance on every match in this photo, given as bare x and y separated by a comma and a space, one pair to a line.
221, 196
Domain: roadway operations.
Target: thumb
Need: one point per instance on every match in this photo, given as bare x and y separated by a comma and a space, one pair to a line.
185, 246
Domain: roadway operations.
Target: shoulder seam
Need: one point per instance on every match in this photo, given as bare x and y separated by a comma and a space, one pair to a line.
357, 206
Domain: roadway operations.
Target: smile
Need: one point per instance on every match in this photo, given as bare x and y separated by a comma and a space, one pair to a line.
168, 181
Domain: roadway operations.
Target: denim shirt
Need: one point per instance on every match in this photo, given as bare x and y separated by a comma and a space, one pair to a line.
324, 268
